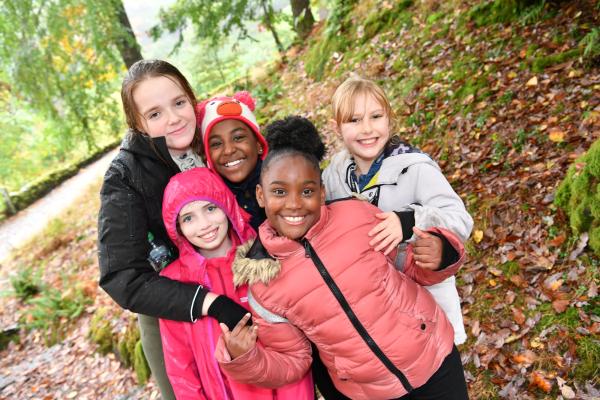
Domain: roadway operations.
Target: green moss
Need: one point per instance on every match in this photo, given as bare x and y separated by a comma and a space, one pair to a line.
569, 319
588, 367
384, 19
579, 195
510, 268
140, 364
128, 342
101, 331
540, 63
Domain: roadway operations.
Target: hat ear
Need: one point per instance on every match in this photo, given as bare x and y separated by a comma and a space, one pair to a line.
245, 98
200, 111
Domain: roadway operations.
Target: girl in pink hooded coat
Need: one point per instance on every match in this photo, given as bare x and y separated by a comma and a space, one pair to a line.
204, 221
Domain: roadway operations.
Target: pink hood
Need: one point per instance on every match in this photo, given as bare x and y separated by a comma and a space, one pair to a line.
201, 184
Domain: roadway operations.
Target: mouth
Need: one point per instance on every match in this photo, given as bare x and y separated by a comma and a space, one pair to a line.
178, 131
232, 164
209, 236
368, 142
295, 220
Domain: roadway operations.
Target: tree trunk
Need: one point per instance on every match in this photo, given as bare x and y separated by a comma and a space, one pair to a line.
126, 42
302, 17
268, 20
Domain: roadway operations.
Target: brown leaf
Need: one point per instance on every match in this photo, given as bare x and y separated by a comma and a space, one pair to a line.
538, 380
518, 315
557, 241
560, 305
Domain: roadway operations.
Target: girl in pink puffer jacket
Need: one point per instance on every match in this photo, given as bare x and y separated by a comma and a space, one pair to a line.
313, 276
204, 221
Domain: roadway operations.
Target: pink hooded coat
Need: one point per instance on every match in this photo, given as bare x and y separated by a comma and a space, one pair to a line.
296, 306
189, 347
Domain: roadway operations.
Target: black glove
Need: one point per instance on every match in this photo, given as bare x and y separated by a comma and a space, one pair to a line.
227, 311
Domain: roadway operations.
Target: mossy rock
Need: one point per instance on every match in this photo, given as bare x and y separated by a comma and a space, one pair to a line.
540, 63
579, 195
140, 365
101, 331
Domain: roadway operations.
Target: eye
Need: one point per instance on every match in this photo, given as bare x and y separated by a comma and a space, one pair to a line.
153, 115
180, 102
211, 208
307, 192
354, 120
239, 137
278, 192
377, 116
215, 144
186, 219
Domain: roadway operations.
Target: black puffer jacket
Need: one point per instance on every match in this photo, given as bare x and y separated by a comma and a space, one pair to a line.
131, 202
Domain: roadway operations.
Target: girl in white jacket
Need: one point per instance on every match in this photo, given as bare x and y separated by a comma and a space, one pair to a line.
406, 184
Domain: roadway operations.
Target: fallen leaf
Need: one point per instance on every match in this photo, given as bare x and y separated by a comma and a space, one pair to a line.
557, 136
565, 390
512, 75
518, 315
557, 241
538, 380
477, 235
532, 82
560, 305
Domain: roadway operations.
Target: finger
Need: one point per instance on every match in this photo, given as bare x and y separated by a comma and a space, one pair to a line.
391, 247
430, 266
384, 242
420, 233
225, 331
381, 215
379, 237
377, 228
241, 324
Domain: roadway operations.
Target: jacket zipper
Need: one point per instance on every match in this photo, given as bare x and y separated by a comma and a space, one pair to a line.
360, 329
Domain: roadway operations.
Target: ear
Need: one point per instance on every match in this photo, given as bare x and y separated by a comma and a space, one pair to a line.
332, 125
260, 196
323, 194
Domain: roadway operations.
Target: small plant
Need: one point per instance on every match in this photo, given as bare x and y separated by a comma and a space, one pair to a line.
591, 45
26, 283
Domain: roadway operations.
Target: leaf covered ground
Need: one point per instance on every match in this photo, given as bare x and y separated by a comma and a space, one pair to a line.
504, 103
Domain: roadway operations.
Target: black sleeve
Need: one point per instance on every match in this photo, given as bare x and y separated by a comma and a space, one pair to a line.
407, 220
449, 253
125, 273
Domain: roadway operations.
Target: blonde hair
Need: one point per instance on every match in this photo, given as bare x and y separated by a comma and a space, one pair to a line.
345, 95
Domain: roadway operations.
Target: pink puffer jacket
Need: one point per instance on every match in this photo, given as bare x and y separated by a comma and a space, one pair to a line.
293, 304
189, 347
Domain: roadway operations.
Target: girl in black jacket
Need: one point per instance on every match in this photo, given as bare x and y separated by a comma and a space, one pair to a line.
162, 140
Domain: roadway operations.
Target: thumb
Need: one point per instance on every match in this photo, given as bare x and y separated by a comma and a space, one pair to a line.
381, 215
420, 234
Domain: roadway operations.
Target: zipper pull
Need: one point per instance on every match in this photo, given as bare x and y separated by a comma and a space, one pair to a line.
307, 252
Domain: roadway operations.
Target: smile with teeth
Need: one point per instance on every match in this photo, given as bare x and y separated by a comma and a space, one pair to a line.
367, 142
233, 163
294, 220
210, 235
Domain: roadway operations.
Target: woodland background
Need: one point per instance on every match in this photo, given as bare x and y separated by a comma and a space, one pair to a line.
504, 94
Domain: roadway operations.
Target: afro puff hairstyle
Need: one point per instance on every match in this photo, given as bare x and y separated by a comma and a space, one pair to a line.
297, 133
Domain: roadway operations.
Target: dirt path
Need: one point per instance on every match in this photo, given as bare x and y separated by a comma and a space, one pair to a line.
26, 223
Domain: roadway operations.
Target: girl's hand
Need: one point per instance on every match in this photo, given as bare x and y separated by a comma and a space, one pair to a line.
427, 250
388, 233
241, 339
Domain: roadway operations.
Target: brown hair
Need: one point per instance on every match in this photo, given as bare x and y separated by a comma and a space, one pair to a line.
343, 99
146, 69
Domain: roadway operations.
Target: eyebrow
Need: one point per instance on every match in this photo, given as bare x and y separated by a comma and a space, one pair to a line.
156, 107
286, 183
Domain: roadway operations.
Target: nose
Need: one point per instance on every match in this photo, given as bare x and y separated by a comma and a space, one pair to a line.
366, 125
228, 147
294, 201
173, 116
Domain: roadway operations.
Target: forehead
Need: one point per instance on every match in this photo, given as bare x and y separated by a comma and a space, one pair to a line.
291, 169
194, 206
228, 126
155, 89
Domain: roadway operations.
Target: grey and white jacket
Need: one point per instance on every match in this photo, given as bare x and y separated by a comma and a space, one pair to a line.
411, 181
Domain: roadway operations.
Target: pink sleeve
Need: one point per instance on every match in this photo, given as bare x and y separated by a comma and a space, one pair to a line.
179, 361
282, 356
426, 276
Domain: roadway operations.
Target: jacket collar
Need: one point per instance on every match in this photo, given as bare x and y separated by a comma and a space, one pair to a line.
152, 148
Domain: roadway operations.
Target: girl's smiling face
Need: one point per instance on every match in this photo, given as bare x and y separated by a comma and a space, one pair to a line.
205, 226
164, 109
292, 194
233, 149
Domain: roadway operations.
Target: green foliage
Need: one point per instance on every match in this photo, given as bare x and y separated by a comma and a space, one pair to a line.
499, 11
579, 195
588, 351
383, 19
26, 283
128, 341
591, 45
334, 39
51, 311
101, 331
140, 365
540, 63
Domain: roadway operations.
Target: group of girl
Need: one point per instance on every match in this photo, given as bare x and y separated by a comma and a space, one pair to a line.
340, 292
